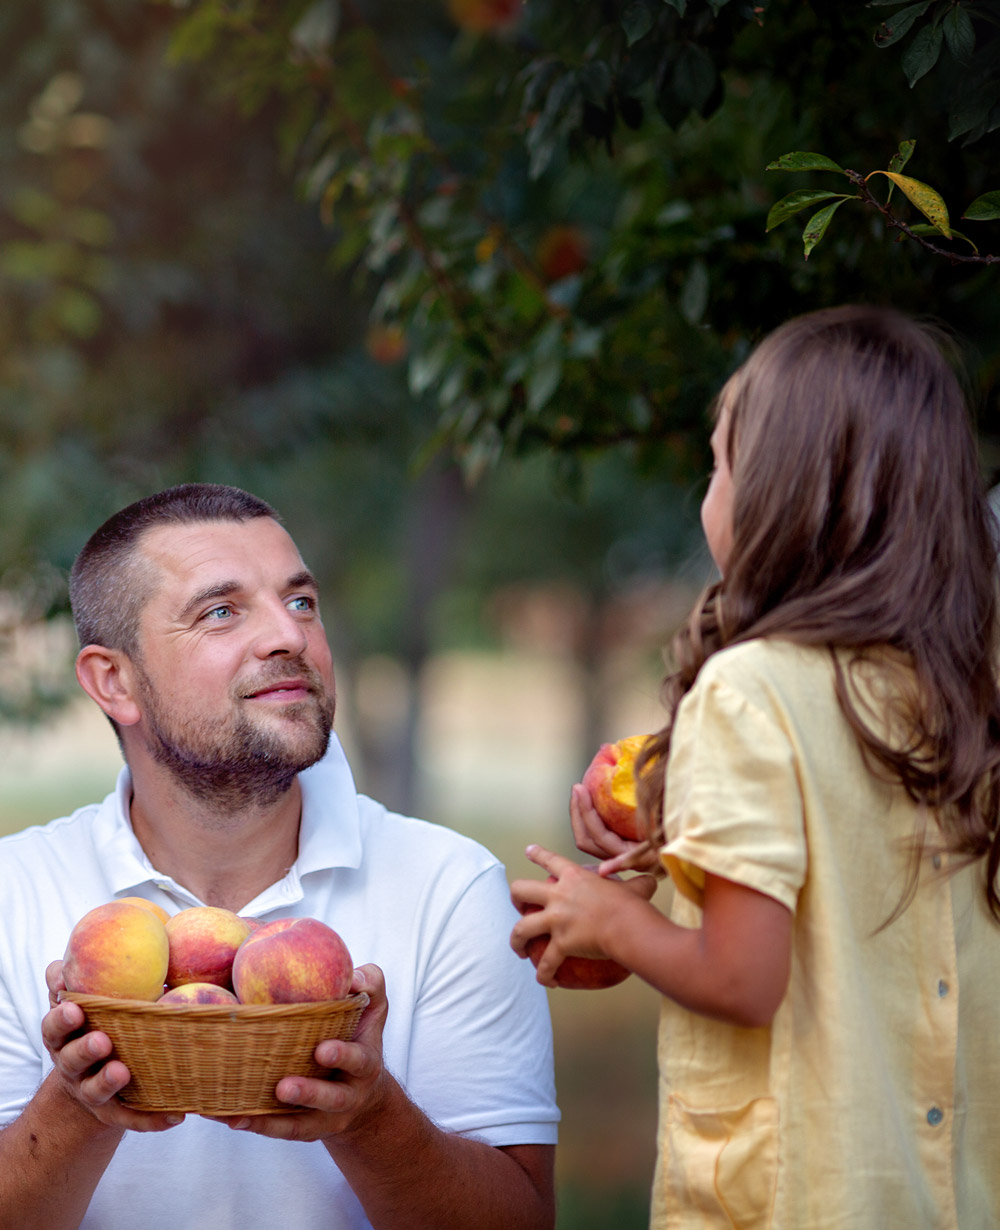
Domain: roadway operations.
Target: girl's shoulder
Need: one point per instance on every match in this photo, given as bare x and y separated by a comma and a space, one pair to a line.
766, 661
780, 675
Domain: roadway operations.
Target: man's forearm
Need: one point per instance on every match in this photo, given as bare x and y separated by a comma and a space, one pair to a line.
51, 1159
408, 1172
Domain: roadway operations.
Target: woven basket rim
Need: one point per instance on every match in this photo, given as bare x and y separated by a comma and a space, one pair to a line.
152, 1008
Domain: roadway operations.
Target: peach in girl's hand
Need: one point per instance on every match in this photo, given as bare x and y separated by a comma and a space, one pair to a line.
576, 973
610, 781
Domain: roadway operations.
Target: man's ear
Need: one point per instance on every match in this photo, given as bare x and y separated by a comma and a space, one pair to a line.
108, 678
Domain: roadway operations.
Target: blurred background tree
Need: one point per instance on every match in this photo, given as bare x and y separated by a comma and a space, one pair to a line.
450, 281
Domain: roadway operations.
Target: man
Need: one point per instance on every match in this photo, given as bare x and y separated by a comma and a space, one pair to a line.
201, 641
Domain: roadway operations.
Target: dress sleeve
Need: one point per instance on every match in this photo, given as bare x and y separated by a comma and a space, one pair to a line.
733, 804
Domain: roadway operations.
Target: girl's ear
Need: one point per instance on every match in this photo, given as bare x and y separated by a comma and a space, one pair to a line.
107, 676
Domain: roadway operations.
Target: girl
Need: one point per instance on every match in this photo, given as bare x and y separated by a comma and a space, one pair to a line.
829, 1044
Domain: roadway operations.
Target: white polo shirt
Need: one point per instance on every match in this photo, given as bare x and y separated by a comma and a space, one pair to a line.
468, 1032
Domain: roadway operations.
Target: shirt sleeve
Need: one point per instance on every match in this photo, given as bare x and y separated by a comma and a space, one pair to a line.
733, 804
481, 1041
21, 1062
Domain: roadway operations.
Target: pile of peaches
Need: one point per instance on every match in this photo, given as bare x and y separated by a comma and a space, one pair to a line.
130, 948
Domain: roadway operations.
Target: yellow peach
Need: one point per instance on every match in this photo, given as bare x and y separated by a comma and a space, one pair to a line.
610, 780
117, 949
158, 910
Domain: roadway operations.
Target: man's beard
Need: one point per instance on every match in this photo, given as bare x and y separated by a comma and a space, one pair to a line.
244, 764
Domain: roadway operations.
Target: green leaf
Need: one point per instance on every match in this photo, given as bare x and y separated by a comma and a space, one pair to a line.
197, 35
902, 155
781, 210
968, 111
542, 382
927, 199
694, 293
637, 21
960, 34
985, 208
817, 224
925, 228
922, 54
313, 34
694, 77
679, 5
898, 25
801, 161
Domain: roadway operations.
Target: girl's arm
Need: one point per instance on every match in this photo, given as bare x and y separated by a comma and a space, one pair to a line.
734, 967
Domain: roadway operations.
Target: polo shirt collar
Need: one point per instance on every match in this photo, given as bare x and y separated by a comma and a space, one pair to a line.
329, 834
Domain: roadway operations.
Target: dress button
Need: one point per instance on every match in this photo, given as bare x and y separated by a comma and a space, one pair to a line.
935, 1115
942, 988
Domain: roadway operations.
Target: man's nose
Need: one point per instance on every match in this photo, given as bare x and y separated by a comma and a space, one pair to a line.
279, 632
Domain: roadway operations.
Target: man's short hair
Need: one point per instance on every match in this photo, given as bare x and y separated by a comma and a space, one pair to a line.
109, 584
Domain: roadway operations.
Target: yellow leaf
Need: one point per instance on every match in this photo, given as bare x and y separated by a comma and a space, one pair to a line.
927, 200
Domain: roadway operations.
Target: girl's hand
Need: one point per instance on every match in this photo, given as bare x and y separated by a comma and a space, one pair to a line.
592, 836
572, 907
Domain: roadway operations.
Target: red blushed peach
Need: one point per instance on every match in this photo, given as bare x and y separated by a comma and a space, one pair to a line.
203, 942
610, 781
292, 961
117, 949
576, 973
197, 993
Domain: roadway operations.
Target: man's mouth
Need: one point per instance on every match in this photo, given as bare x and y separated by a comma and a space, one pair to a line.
284, 689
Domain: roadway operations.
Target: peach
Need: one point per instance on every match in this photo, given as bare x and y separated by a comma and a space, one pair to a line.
117, 949
580, 973
610, 781
203, 942
577, 973
197, 993
292, 961
562, 251
158, 910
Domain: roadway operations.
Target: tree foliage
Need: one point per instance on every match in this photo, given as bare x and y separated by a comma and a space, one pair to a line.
564, 207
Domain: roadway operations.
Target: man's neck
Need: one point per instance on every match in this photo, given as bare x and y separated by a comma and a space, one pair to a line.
225, 858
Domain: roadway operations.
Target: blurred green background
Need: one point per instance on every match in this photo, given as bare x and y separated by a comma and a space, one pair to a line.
451, 283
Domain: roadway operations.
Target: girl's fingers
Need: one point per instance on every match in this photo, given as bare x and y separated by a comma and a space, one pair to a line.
526, 894
530, 927
590, 833
554, 864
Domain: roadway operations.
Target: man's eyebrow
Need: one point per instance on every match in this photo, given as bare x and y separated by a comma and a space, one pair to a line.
303, 580
222, 589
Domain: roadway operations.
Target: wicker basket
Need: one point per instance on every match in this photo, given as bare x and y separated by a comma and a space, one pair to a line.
216, 1059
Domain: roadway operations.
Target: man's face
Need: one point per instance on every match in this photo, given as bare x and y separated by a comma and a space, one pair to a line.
234, 675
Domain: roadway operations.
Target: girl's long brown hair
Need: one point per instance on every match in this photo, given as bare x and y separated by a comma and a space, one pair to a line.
860, 521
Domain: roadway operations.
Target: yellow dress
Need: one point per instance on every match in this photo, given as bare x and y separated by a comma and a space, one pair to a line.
873, 1098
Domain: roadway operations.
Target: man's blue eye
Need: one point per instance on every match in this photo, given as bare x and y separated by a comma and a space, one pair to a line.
301, 603
219, 612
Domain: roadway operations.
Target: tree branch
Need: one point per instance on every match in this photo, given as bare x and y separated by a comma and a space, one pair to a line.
865, 194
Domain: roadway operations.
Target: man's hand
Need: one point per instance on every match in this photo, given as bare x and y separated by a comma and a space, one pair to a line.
356, 1090
84, 1066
